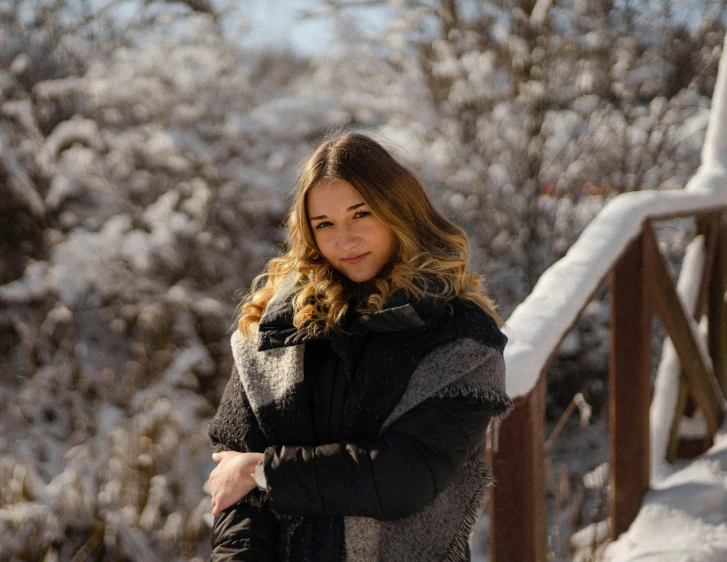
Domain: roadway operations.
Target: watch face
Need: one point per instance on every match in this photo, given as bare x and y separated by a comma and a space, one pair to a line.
258, 476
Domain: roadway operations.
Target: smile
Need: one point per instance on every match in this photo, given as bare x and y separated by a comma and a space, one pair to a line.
355, 259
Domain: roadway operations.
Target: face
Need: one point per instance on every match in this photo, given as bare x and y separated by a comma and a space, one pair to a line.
348, 235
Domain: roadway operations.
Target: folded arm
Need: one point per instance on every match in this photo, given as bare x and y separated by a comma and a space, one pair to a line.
245, 533
398, 475
241, 532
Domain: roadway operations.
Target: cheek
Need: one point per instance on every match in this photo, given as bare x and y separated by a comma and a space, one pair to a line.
388, 240
323, 243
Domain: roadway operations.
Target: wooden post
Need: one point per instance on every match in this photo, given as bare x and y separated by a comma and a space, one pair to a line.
629, 387
716, 310
518, 513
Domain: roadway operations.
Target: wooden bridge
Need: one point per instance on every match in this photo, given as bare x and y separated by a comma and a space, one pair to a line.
620, 245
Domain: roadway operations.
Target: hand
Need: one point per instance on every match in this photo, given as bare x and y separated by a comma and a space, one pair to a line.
231, 480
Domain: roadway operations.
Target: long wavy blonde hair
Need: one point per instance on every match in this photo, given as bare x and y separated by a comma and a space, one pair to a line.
431, 256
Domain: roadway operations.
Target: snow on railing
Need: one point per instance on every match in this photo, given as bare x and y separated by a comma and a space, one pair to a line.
537, 326
714, 150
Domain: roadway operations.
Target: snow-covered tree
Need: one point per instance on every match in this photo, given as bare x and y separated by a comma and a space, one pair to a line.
145, 160
143, 183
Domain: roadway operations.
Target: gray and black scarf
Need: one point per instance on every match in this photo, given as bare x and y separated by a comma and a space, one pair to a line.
426, 348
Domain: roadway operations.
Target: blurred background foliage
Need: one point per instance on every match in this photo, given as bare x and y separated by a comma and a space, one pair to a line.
147, 150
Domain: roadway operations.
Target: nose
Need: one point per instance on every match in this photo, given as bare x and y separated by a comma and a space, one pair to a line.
348, 239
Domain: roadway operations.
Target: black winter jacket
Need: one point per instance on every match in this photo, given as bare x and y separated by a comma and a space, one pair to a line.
334, 457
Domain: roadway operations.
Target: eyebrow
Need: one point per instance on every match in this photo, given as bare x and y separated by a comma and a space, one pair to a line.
351, 208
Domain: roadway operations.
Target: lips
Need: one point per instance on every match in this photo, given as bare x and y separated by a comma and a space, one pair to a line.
355, 259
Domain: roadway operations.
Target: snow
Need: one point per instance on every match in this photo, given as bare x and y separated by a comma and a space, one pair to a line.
693, 427
684, 517
584, 539
597, 478
714, 151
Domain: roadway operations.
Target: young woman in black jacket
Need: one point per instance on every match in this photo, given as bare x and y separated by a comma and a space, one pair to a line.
368, 364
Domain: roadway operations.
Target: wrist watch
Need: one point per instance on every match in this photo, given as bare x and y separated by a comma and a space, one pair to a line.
258, 476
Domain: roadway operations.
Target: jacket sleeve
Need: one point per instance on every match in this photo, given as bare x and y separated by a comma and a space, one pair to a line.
410, 463
248, 530
245, 533
234, 426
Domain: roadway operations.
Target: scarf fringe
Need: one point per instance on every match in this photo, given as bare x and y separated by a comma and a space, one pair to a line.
460, 546
501, 403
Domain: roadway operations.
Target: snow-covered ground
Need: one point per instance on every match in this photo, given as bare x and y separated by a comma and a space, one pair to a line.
684, 516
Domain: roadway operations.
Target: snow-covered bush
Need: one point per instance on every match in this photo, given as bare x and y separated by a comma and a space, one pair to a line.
141, 192
144, 167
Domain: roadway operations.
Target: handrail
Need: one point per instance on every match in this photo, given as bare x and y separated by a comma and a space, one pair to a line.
619, 242
537, 326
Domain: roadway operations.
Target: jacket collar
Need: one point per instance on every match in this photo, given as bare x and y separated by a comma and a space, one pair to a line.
400, 314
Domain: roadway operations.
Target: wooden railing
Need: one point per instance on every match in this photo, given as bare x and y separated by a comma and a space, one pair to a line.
620, 245
640, 282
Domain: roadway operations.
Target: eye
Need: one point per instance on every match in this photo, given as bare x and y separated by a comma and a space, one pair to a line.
361, 214
322, 224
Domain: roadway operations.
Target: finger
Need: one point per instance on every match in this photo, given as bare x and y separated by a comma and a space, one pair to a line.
223, 504
217, 457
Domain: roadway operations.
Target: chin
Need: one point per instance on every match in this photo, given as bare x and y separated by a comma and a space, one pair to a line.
359, 278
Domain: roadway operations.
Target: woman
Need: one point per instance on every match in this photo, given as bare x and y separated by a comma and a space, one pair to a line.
368, 364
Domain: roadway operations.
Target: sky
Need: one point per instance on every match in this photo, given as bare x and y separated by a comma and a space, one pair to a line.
280, 23
283, 24
300, 25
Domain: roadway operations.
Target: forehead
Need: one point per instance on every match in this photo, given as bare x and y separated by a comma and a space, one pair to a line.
331, 197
